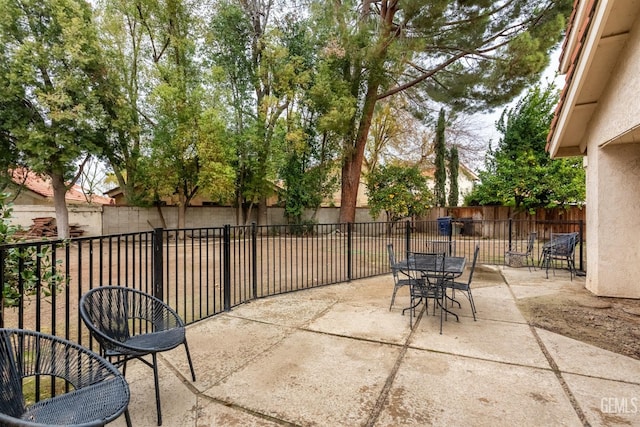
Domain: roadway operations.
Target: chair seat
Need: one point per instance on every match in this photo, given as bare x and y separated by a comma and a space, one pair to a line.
150, 342
458, 286
404, 282
88, 406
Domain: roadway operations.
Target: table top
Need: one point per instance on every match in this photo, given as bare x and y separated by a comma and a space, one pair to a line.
452, 264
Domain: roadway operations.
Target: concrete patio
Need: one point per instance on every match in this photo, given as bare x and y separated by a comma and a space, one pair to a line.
337, 356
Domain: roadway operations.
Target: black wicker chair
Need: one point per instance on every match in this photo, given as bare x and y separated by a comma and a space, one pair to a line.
73, 386
130, 324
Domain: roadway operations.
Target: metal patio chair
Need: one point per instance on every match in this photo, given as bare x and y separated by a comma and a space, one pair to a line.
526, 255
427, 273
401, 277
560, 247
130, 324
73, 385
465, 287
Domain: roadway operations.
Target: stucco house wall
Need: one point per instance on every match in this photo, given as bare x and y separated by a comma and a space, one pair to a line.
599, 117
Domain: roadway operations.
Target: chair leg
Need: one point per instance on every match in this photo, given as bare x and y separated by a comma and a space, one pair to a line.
393, 296
193, 373
127, 417
473, 304
157, 385
441, 313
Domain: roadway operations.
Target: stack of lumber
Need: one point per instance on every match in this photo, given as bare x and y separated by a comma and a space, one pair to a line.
46, 227
43, 227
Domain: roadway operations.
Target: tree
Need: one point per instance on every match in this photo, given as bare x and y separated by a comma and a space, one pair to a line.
260, 66
440, 174
398, 191
468, 55
454, 165
51, 91
129, 58
519, 172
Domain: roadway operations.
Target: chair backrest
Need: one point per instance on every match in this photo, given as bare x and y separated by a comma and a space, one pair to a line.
531, 242
392, 255
105, 310
392, 261
11, 397
473, 265
429, 265
441, 246
563, 244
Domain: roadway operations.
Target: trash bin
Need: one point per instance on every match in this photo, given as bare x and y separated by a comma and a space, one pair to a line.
444, 225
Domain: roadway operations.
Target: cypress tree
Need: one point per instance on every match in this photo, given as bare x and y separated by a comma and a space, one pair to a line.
440, 174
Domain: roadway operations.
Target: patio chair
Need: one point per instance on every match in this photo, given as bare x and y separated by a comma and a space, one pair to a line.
441, 246
427, 271
465, 286
400, 277
73, 386
526, 255
130, 324
561, 247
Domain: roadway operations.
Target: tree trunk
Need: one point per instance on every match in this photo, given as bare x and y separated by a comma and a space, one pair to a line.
62, 214
182, 211
352, 166
262, 211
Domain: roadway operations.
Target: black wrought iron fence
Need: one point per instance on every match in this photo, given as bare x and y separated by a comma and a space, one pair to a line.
201, 272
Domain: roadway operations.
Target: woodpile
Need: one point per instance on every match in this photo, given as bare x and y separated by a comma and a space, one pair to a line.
46, 227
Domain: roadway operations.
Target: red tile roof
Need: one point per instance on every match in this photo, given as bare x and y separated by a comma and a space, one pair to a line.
42, 186
582, 28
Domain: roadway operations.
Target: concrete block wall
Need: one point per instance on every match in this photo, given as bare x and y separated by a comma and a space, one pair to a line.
89, 218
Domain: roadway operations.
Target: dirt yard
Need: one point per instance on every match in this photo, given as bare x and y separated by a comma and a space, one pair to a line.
609, 323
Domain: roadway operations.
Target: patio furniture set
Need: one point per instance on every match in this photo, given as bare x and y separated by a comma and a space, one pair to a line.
87, 389
431, 275
559, 248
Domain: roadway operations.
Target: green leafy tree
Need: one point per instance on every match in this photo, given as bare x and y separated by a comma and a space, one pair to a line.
128, 56
467, 55
454, 166
440, 174
519, 172
398, 191
261, 64
52, 87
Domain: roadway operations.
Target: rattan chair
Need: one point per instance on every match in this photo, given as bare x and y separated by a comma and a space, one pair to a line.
72, 385
130, 324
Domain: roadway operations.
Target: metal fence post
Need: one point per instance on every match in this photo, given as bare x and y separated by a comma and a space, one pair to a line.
407, 237
254, 259
349, 246
2, 256
158, 263
226, 269
510, 231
